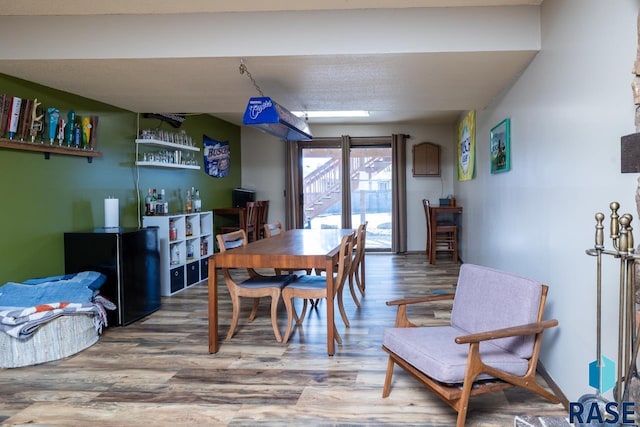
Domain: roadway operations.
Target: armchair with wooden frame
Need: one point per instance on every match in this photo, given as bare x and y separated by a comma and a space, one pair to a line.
492, 342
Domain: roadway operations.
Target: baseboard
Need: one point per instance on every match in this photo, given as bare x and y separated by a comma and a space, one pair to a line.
553, 385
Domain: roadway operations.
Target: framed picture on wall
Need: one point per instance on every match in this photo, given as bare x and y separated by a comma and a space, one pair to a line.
499, 145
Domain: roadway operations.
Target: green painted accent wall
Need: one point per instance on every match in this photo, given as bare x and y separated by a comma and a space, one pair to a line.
43, 199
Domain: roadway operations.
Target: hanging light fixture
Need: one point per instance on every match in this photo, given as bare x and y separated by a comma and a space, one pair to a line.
268, 116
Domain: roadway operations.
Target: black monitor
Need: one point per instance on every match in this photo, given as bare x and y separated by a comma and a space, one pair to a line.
240, 197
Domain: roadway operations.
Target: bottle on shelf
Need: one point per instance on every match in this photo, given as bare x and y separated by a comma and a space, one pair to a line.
197, 202
188, 227
189, 249
148, 210
160, 204
188, 205
173, 231
175, 254
162, 199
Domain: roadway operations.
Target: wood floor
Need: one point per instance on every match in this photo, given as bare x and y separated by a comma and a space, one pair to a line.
158, 371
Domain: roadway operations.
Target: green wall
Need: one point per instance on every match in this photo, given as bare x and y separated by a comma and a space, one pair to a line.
45, 198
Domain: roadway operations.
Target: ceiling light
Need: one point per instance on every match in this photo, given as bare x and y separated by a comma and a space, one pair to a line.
268, 116
325, 114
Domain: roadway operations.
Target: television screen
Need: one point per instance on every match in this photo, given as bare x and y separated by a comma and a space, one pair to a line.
241, 196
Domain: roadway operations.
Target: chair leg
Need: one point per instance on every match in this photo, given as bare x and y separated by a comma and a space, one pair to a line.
275, 298
353, 291
360, 278
386, 390
300, 318
254, 309
343, 314
288, 303
336, 335
235, 303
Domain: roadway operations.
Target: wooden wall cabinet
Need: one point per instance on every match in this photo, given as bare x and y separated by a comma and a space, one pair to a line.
426, 159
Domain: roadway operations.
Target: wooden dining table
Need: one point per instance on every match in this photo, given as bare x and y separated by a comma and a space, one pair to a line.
298, 249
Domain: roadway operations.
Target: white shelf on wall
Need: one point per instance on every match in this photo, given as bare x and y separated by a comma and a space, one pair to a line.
179, 149
166, 165
158, 143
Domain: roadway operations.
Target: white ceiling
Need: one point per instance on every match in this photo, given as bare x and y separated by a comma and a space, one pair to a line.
403, 60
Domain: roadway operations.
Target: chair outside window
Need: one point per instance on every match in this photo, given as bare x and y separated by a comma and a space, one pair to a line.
492, 342
310, 287
446, 235
256, 286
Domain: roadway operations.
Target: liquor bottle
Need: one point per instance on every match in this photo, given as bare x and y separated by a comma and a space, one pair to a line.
160, 204
188, 205
154, 202
148, 202
189, 249
188, 227
173, 231
165, 202
197, 202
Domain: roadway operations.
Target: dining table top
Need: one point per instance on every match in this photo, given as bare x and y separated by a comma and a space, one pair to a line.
291, 249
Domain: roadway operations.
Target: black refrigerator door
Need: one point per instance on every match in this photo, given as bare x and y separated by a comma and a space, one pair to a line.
131, 262
140, 263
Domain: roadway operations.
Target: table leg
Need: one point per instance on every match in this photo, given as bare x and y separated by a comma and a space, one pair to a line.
329, 268
213, 306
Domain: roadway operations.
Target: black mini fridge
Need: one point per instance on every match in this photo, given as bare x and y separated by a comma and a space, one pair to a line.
130, 258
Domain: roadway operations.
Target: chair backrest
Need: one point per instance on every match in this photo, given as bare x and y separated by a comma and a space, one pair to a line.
345, 260
231, 240
253, 209
427, 214
264, 212
359, 244
272, 229
488, 299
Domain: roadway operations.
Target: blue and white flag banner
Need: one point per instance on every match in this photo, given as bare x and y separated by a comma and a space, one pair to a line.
217, 157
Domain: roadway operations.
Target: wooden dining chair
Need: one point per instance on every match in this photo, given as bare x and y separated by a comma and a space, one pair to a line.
263, 218
310, 287
256, 286
356, 273
253, 212
272, 229
446, 235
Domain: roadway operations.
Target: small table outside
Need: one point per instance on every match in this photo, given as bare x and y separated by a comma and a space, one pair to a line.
298, 249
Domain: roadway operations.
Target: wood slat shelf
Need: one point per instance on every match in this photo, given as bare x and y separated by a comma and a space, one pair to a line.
48, 149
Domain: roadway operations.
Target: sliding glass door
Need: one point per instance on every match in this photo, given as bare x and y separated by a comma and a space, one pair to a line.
371, 172
333, 200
